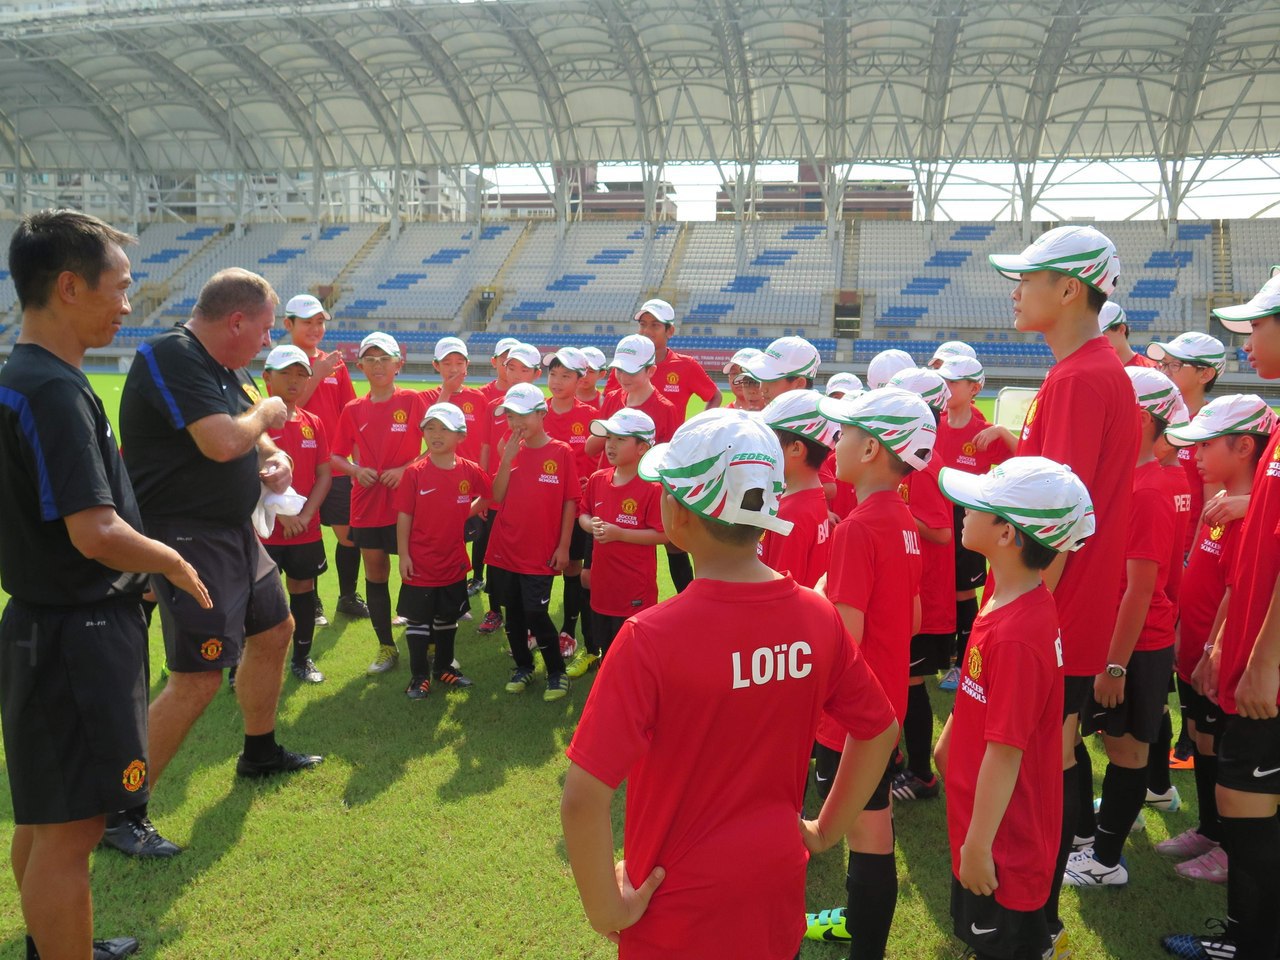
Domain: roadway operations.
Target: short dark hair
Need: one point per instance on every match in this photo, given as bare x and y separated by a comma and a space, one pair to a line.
1097, 300
815, 453
52, 242
1035, 555
736, 534
557, 362
900, 466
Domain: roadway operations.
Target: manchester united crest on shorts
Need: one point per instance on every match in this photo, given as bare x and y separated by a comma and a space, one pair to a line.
211, 649
135, 776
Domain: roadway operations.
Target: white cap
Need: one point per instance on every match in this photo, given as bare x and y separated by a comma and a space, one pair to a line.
448, 414
844, 383
1266, 302
954, 348
713, 460
660, 309
900, 420
740, 358
1225, 416
633, 354
1192, 347
783, 359
448, 345
1077, 251
304, 306
526, 353
885, 364
1111, 315
962, 368
596, 360
1043, 499
796, 411
521, 398
570, 357
626, 422
287, 355
503, 345
383, 341
1156, 393
1181, 415
928, 385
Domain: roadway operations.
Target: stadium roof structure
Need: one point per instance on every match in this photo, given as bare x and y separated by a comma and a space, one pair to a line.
155, 88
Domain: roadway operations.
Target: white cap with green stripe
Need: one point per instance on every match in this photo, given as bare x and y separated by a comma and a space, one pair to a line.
1077, 251
716, 462
1156, 393
1223, 417
796, 411
1192, 347
928, 385
1239, 318
1043, 499
899, 419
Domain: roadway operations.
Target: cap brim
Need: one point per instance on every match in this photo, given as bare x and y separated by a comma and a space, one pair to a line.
1158, 351
1188, 435
1012, 266
444, 422
963, 489
651, 464
502, 409
614, 365
839, 411
308, 316
1239, 318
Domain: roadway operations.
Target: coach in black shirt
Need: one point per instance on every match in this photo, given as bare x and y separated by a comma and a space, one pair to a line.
73, 638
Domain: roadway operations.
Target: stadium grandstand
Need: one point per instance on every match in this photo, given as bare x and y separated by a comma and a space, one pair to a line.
354, 151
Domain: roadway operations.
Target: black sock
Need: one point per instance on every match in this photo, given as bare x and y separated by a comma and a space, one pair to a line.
347, 560
1158, 757
966, 613
544, 631
303, 608
588, 624
417, 637
445, 636
918, 731
378, 597
260, 747
681, 569
1070, 822
1086, 822
572, 604
1206, 773
31, 949
872, 884
1123, 791
1253, 884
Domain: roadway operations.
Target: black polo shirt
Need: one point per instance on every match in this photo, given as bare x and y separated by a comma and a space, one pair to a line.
58, 456
172, 383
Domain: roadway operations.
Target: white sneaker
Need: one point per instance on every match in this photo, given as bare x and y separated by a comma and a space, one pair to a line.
1084, 871
1139, 824
1168, 802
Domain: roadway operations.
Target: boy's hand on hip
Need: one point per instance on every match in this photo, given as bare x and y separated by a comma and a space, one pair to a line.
635, 901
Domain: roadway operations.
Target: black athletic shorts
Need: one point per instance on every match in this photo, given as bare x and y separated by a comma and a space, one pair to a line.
1200, 710
827, 762
243, 582
438, 606
472, 529
578, 543
1146, 693
587, 548
971, 567
532, 589
299, 561
335, 511
1249, 755
930, 653
1076, 692
996, 931
376, 538
73, 704
604, 629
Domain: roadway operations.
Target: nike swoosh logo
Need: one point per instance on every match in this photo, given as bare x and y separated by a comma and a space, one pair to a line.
545, 602
362, 426
423, 493
981, 931
1265, 773
1100, 713
921, 660
819, 777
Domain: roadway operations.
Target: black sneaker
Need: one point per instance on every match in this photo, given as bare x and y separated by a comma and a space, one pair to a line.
474, 586
114, 948
1213, 946
418, 688
306, 671
454, 680
285, 761
353, 605
136, 836
907, 786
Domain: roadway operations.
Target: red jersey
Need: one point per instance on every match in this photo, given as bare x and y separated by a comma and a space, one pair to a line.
1195, 484
304, 439
331, 394
624, 576
382, 436
955, 447
1252, 575
526, 532
1175, 484
1153, 536
658, 407
596, 402
1085, 416
712, 730
846, 497
1203, 585
439, 501
806, 552
1011, 693
475, 410
492, 392
1138, 360
875, 568
573, 428
922, 496
678, 378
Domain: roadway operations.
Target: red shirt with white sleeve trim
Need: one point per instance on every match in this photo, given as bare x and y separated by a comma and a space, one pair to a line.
303, 438
805, 553
526, 532
380, 435
624, 576
439, 501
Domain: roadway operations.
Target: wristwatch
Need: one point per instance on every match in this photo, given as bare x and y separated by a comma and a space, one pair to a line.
1115, 670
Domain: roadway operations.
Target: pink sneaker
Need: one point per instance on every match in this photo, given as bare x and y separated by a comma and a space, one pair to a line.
1186, 845
1211, 867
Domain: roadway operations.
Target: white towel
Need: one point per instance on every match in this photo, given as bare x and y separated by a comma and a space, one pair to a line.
272, 505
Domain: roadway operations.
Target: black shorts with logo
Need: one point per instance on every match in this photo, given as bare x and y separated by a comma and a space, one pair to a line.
73, 704
376, 538
335, 511
993, 930
1076, 692
1200, 710
827, 762
1249, 755
578, 543
243, 582
438, 606
299, 561
930, 653
971, 567
532, 590
1146, 693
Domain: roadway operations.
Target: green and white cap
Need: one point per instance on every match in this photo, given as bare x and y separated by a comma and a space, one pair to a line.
843, 383
740, 358
521, 398
626, 422
928, 385
526, 353
1224, 417
571, 358
447, 345
596, 360
963, 368
1043, 499
633, 354
1077, 251
1156, 393
287, 355
503, 345
952, 348
714, 460
383, 341
1111, 315
899, 419
796, 411
1192, 347
885, 364
783, 359
1266, 302
448, 414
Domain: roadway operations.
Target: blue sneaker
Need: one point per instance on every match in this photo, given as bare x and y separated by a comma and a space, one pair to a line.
950, 680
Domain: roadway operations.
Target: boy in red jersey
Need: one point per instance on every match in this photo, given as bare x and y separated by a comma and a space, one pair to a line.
713, 807
752, 392
495, 389
376, 441
325, 394
733, 369
840, 496
875, 585
1114, 325
538, 490
675, 376
633, 363
788, 363
1084, 417
295, 544
1228, 436
436, 497
1002, 746
597, 364
623, 516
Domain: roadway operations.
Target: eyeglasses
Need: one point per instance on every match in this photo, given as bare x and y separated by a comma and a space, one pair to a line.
378, 361
1170, 366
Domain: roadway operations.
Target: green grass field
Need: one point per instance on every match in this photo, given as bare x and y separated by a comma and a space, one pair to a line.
432, 830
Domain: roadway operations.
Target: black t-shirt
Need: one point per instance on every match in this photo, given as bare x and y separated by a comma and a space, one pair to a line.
58, 456
172, 383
